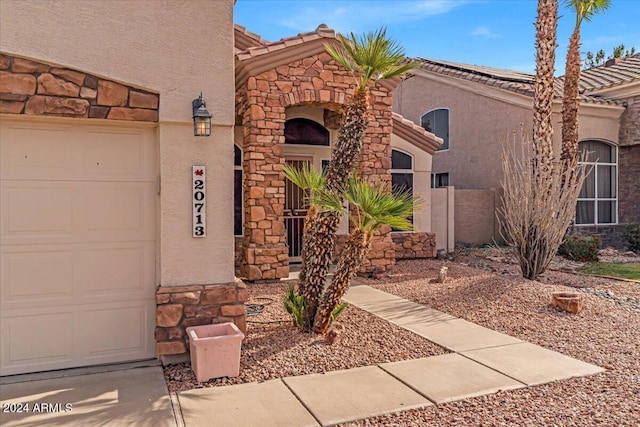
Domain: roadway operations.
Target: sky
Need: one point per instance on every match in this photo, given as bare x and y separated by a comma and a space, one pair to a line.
495, 33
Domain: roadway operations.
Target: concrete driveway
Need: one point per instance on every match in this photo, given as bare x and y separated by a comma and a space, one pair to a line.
132, 397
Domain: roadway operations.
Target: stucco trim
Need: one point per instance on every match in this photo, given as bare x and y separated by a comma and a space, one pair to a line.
415, 135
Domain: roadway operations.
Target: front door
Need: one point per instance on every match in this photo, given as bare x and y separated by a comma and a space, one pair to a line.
295, 211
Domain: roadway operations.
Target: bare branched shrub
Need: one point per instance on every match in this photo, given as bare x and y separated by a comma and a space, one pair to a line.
538, 204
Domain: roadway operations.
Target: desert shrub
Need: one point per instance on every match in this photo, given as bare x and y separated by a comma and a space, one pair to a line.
632, 235
295, 306
580, 248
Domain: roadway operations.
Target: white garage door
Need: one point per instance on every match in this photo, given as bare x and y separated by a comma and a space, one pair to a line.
78, 221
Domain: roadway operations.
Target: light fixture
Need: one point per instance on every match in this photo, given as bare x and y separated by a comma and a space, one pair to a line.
201, 117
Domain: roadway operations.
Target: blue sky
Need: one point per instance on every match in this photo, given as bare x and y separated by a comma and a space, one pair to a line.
497, 33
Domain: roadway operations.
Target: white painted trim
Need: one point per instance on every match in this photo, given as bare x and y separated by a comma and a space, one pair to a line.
595, 177
448, 126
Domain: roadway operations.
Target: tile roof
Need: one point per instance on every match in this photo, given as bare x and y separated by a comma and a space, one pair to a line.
624, 70
245, 38
513, 81
251, 52
415, 134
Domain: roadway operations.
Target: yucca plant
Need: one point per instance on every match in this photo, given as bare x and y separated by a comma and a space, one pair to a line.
369, 58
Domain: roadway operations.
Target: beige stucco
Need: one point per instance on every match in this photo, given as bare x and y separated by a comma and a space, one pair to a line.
480, 118
177, 49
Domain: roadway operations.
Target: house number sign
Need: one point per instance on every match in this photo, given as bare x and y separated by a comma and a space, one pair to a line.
199, 202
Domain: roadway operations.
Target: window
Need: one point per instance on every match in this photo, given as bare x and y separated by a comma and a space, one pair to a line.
437, 122
439, 180
402, 172
237, 191
597, 202
305, 131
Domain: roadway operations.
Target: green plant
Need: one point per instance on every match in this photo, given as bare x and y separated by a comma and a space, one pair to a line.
632, 235
294, 305
580, 248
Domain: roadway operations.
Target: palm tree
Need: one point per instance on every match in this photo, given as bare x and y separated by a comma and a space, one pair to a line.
585, 10
369, 58
371, 207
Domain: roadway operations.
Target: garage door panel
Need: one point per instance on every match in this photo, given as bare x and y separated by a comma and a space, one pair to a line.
38, 212
35, 340
119, 272
75, 153
78, 230
41, 152
116, 330
36, 277
109, 208
38, 209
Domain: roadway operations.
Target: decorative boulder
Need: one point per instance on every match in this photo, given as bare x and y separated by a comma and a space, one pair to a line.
569, 302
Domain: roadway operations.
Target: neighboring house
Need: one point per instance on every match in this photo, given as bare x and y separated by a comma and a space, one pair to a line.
474, 108
101, 259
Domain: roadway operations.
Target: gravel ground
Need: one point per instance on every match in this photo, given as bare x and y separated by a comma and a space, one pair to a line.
276, 350
491, 293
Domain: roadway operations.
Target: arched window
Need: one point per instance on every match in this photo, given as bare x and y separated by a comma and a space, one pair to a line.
598, 199
437, 122
305, 131
401, 172
237, 190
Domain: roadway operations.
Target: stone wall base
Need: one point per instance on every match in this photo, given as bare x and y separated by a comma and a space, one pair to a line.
610, 235
414, 245
178, 307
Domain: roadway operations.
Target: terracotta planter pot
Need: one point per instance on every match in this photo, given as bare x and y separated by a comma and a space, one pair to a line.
567, 301
215, 350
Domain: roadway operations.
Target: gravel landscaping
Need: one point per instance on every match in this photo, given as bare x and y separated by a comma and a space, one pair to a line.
276, 350
492, 294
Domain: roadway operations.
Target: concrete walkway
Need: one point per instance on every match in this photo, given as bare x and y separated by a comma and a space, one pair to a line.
482, 362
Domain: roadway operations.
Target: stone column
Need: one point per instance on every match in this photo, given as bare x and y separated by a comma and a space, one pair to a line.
375, 167
265, 253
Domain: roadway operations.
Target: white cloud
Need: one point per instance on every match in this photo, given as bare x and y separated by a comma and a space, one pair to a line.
357, 16
484, 32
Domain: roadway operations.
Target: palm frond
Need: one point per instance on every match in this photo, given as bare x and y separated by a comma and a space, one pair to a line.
371, 57
377, 205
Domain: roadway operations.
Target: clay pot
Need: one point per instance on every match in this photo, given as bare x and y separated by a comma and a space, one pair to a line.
567, 301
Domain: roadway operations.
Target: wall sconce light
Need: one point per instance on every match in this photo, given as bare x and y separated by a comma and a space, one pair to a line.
201, 117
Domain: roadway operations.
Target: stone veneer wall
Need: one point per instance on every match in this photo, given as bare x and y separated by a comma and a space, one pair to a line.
35, 88
629, 163
261, 104
179, 307
414, 245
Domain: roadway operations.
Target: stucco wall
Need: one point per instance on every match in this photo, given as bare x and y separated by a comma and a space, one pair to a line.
475, 216
174, 48
478, 122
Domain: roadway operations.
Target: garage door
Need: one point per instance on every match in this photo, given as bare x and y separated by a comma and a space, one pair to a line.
78, 221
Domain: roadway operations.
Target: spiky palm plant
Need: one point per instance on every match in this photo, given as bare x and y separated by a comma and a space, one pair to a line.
585, 10
370, 207
369, 58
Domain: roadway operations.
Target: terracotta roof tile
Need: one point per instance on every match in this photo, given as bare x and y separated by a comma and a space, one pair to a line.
321, 32
415, 134
624, 71
513, 81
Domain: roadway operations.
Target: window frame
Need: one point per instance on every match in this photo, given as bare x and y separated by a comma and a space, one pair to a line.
404, 171
440, 150
238, 168
433, 179
596, 199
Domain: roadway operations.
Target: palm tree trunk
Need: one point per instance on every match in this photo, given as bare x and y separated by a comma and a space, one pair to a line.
546, 26
570, 101
320, 229
350, 260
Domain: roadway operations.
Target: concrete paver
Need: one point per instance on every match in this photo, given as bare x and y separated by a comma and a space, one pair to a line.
343, 396
265, 404
532, 364
406, 312
459, 335
362, 295
133, 397
449, 377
